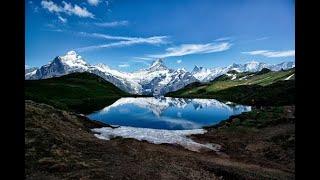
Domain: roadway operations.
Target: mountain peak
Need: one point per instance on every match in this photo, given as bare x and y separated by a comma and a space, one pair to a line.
157, 62
72, 59
71, 55
181, 70
157, 65
74, 53
196, 68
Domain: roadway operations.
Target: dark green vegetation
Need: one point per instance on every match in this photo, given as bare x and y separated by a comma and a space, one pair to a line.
59, 145
259, 89
79, 92
263, 136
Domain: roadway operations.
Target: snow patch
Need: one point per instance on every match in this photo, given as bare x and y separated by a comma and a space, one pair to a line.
288, 78
156, 136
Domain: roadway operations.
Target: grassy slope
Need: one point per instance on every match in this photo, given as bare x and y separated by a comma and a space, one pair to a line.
79, 92
260, 89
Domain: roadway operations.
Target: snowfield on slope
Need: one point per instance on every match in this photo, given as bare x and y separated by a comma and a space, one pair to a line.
156, 136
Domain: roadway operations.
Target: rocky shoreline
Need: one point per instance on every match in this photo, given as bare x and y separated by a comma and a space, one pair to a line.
61, 145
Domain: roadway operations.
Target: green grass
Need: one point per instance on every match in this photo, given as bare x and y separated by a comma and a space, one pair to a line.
259, 79
267, 88
79, 92
256, 119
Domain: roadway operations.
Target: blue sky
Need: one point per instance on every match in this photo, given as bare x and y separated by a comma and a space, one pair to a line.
127, 35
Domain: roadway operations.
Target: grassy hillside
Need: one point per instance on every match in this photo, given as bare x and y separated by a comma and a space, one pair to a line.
261, 88
79, 92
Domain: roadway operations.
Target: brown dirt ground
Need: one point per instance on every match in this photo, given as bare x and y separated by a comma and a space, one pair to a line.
60, 145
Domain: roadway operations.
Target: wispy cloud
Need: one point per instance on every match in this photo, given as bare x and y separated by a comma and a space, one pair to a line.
67, 8
268, 53
112, 24
51, 6
55, 30
94, 2
186, 49
179, 61
262, 38
64, 20
144, 58
151, 40
123, 65
52, 27
76, 10
141, 61
124, 41
223, 39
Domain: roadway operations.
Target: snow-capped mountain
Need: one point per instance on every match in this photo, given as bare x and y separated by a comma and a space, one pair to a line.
206, 75
61, 65
159, 79
284, 66
156, 79
72, 62
30, 72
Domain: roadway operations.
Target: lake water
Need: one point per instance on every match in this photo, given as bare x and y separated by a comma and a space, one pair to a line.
167, 113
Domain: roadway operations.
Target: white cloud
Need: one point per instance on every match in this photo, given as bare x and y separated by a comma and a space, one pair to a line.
104, 36
51, 6
64, 20
268, 53
94, 2
223, 39
149, 40
67, 8
123, 65
186, 49
124, 41
263, 38
179, 61
112, 24
76, 10
56, 30
144, 58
